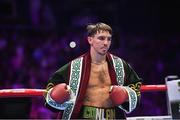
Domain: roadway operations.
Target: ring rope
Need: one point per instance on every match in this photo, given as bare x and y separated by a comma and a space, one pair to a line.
22, 92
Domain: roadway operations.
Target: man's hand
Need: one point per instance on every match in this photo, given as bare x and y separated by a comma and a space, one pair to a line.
60, 93
118, 95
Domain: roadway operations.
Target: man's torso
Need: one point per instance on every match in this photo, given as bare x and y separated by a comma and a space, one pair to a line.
97, 93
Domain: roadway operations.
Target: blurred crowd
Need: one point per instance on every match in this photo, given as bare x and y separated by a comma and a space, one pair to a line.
29, 56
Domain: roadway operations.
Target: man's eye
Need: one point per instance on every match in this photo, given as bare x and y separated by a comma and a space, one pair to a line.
101, 38
109, 38
104, 38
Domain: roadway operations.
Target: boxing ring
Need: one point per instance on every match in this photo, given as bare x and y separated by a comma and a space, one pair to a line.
23, 92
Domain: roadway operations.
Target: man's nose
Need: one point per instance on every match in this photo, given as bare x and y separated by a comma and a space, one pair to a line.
106, 41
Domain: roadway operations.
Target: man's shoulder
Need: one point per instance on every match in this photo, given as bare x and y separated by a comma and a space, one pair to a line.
80, 57
117, 57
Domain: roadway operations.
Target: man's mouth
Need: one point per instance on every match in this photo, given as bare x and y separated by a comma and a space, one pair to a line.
105, 48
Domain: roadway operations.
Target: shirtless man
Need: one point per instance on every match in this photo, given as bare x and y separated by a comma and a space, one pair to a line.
96, 85
97, 93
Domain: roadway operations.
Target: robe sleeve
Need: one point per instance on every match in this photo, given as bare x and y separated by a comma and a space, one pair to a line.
132, 84
60, 76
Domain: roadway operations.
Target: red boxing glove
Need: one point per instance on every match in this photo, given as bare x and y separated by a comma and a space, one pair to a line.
60, 93
118, 95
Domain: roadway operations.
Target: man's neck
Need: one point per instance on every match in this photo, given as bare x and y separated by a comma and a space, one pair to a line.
97, 58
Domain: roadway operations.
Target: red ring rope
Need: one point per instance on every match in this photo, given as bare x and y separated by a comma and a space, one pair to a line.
21, 92
39, 92
150, 88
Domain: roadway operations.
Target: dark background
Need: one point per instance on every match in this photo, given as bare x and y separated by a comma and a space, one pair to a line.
35, 37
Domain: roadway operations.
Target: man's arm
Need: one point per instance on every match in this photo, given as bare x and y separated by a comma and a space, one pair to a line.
59, 77
127, 97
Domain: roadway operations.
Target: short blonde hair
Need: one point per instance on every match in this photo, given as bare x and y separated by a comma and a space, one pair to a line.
92, 29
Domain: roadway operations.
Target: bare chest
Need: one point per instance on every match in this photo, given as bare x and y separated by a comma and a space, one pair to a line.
97, 92
99, 76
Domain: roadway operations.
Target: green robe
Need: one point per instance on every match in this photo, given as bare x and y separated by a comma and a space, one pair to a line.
76, 74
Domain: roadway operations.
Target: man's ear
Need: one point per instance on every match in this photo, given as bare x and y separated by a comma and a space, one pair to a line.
89, 40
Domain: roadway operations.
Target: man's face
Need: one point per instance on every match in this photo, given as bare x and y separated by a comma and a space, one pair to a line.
100, 42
